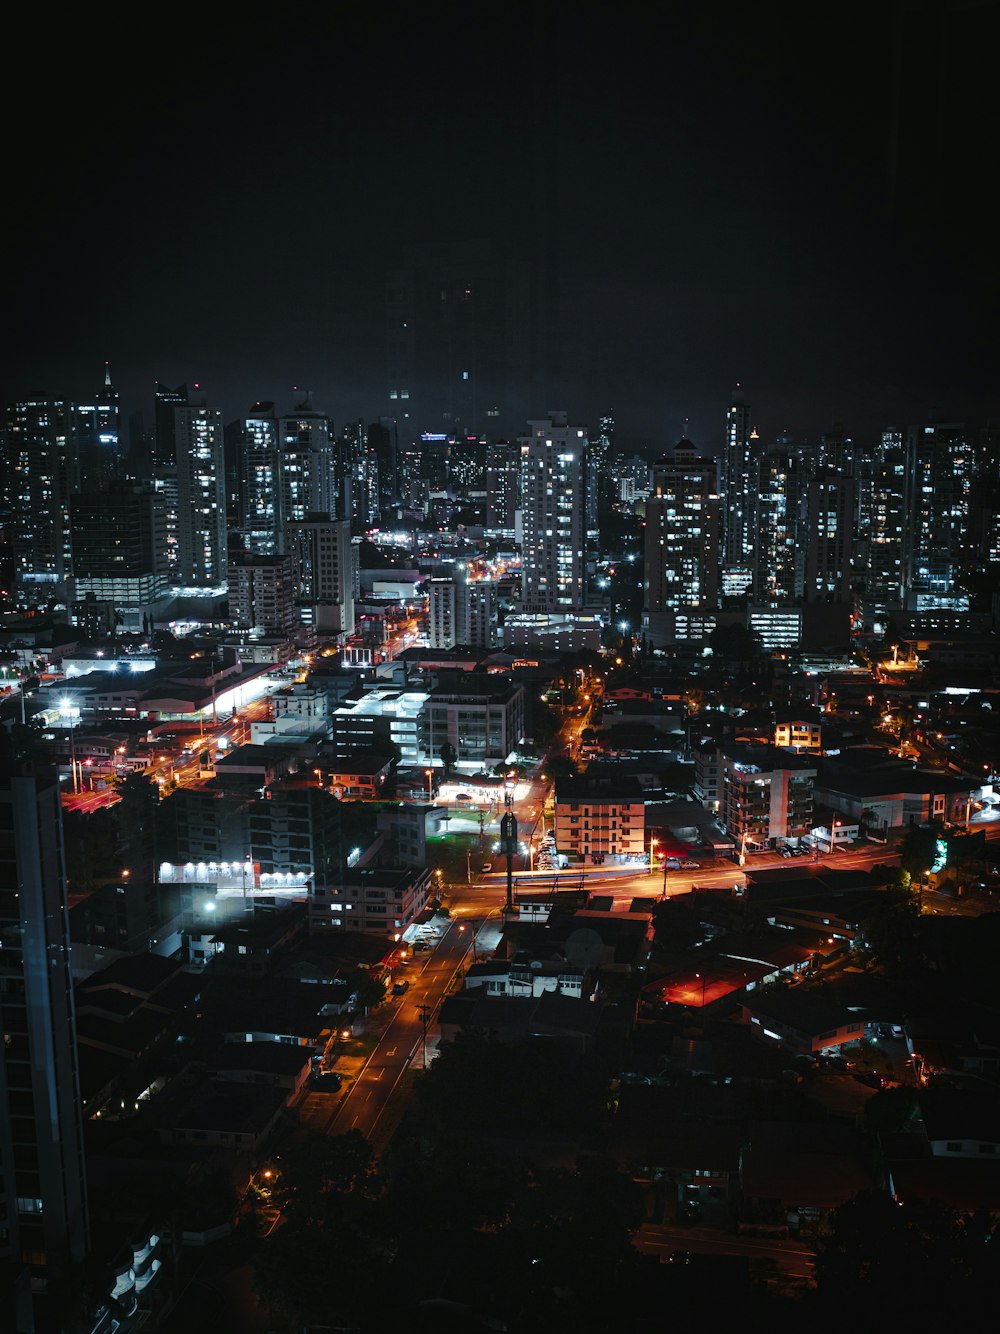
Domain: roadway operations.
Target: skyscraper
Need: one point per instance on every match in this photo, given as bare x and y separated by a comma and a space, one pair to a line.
683, 540
41, 470
165, 400
258, 468
201, 503
119, 547
98, 436
308, 464
737, 477
43, 1201
940, 471
553, 515
326, 570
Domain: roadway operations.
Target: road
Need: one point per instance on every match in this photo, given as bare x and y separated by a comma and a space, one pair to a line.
399, 1030
664, 1240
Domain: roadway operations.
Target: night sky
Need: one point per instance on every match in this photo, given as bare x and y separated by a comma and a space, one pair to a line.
799, 198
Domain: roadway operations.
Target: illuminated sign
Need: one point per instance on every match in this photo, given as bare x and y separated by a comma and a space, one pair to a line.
940, 856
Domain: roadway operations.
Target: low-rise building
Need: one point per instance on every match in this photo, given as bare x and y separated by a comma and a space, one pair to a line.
600, 819
379, 900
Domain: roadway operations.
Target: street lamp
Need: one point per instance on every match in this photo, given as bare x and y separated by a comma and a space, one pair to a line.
652, 848
430, 784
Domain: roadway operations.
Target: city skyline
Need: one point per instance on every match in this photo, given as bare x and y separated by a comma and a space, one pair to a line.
702, 200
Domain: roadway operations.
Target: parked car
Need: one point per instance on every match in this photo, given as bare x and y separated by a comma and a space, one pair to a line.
398, 988
487, 866
327, 1082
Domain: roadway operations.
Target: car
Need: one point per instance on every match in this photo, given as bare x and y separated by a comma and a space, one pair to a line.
328, 1082
895, 1031
398, 988
419, 945
690, 866
487, 866
462, 796
871, 1080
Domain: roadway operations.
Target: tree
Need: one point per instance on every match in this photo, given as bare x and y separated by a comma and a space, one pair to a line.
736, 644
329, 1195
907, 1259
448, 755
918, 850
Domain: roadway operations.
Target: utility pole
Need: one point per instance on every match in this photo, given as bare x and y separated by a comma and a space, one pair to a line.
508, 842
425, 1017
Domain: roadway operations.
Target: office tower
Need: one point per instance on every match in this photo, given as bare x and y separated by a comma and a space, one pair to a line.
683, 539
41, 470
262, 594
442, 613
503, 477
98, 443
829, 538
43, 1200
164, 441
326, 570
253, 439
308, 465
459, 339
940, 469
201, 506
119, 547
737, 465
553, 512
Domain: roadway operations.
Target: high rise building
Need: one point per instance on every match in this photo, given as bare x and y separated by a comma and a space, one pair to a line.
553, 515
308, 464
256, 446
98, 433
940, 472
165, 400
683, 540
502, 488
327, 576
829, 538
442, 613
201, 502
737, 465
119, 547
777, 557
477, 614
262, 594
41, 470
883, 525
43, 1199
